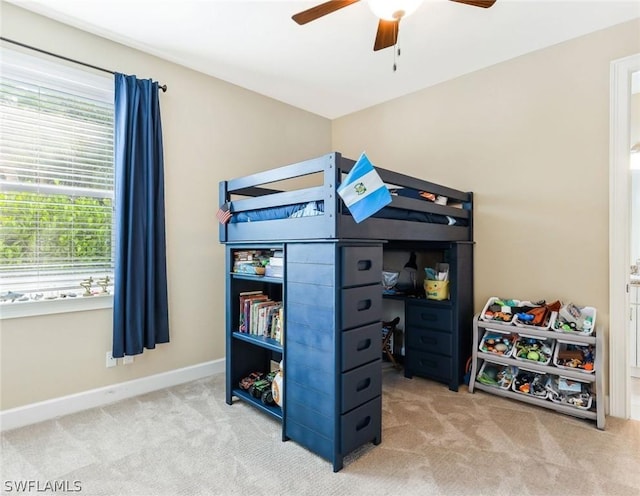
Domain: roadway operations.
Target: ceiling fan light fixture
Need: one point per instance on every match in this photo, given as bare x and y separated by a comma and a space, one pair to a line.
393, 10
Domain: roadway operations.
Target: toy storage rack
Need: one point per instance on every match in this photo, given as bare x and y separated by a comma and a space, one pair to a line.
596, 412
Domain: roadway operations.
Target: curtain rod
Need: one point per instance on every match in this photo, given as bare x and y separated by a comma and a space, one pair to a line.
162, 87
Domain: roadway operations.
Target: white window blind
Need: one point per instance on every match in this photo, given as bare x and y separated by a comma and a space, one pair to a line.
56, 174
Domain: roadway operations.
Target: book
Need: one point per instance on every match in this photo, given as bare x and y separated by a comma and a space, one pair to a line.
243, 296
247, 310
255, 313
274, 325
263, 312
271, 314
278, 333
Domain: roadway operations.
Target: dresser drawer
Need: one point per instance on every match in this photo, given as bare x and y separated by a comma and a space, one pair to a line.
428, 340
362, 425
429, 365
361, 385
361, 345
428, 317
360, 306
361, 265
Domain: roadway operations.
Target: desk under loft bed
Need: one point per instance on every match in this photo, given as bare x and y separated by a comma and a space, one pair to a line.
332, 297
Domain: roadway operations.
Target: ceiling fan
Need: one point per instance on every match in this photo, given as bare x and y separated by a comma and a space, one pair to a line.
389, 13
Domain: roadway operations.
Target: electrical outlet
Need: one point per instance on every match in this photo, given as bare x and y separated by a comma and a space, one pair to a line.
127, 360
111, 362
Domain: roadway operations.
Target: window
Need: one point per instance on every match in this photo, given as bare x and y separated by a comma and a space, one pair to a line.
56, 176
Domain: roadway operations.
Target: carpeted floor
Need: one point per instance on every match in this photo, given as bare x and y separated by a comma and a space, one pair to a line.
186, 440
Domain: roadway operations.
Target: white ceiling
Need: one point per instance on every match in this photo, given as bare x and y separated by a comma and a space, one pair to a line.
328, 66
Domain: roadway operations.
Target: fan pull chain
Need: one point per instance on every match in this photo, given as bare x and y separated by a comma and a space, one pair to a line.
396, 53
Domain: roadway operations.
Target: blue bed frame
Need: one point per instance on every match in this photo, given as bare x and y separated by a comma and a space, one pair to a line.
251, 193
333, 298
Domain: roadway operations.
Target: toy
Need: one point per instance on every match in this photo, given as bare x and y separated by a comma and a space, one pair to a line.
497, 343
247, 382
530, 383
276, 387
525, 317
261, 389
536, 350
500, 316
576, 357
574, 393
497, 375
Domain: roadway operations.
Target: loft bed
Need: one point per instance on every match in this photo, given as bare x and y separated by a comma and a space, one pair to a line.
260, 212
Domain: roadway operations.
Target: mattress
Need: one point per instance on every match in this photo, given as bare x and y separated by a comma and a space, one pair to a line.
317, 208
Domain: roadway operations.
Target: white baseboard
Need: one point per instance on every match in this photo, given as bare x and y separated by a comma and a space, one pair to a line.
56, 407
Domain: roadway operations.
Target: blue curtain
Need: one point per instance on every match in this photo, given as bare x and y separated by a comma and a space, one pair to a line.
140, 309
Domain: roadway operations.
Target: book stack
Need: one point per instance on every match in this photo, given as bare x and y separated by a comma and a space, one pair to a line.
260, 316
275, 268
249, 261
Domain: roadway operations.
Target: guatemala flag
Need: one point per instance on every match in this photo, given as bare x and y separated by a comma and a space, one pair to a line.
362, 191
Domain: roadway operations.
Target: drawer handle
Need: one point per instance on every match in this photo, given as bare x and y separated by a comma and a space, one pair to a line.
426, 340
363, 345
363, 423
364, 305
364, 264
363, 384
429, 317
428, 363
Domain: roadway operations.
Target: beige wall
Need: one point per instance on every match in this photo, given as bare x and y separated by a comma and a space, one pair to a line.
530, 138
212, 131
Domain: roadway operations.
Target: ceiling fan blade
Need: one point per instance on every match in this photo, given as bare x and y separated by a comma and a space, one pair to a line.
485, 4
321, 10
387, 34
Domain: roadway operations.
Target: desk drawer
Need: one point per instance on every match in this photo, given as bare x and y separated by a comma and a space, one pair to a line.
429, 365
431, 341
361, 385
361, 345
429, 317
361, 265
362, 425
360, 306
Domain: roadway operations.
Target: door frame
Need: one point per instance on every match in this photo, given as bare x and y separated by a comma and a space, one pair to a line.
619, 237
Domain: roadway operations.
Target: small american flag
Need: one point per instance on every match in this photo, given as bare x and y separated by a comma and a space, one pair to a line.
224, 214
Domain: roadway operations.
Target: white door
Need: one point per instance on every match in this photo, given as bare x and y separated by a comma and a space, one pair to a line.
620, 236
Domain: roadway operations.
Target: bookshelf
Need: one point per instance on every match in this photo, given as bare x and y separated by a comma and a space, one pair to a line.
250, 345
330, 343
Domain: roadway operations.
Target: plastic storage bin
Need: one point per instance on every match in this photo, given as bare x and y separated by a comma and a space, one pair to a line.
572, 356
545, 326
531, 383
533, 349
506, 310
500, 343
569, 392
496, 375
567, 321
